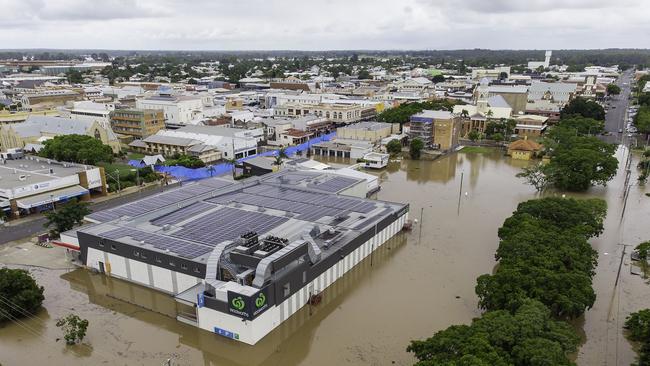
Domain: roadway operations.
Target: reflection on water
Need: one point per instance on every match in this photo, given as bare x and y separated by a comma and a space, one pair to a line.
419, 282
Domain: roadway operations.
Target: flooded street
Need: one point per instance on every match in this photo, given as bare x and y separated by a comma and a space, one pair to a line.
418, 283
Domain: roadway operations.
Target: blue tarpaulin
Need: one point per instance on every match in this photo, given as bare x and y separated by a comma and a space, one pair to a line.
181, 172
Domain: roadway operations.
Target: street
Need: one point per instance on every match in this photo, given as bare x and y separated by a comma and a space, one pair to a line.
33, 227
615, 117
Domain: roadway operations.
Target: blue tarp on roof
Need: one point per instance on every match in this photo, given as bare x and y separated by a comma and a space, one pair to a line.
181, 172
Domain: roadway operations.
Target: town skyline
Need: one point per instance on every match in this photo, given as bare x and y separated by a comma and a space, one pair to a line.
292, 25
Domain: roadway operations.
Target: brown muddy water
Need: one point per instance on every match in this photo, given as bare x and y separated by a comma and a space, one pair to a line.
419, 283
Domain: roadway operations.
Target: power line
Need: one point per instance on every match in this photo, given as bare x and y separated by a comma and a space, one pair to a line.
13, 305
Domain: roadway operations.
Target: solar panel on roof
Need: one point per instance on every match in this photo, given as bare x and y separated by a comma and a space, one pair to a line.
334, 184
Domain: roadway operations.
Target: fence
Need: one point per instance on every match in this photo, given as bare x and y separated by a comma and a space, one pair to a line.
181, 172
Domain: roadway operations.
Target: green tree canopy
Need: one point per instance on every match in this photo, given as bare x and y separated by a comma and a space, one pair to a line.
66, 217
474, 135
638, 325
187, 161
544, 255
363, 74
21, 295
584, 216
642, 119
578, 162
394, 147
613, 89
402, 113
527, 336
415, 149
583, 126
77, 149
74, 328
583, 107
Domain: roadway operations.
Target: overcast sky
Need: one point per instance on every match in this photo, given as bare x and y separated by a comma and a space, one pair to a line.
324, 24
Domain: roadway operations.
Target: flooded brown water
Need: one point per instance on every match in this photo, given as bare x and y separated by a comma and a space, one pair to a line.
419, 283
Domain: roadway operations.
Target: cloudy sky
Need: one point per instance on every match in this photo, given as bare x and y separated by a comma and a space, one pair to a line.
324, 24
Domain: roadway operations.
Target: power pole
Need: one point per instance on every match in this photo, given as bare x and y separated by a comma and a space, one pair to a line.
460, 192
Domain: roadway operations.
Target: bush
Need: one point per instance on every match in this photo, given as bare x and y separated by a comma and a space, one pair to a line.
21, 296
394, 147
638, 325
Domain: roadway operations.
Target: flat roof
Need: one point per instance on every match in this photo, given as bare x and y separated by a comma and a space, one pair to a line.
190, 221
35, 170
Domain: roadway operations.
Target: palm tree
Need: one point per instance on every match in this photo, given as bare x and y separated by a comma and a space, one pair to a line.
489, 113
281, 155
233, 164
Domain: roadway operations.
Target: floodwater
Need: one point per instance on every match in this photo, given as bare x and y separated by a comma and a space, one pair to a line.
418, 283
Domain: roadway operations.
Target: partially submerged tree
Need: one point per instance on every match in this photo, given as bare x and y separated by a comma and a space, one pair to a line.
535, 175
20, 294
524, 337
415, 149
74, 328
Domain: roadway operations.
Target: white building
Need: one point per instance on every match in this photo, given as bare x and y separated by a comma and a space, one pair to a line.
232, 142
534, 65
178, 110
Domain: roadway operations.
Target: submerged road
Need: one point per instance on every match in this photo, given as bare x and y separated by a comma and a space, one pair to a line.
33, 227
615, 117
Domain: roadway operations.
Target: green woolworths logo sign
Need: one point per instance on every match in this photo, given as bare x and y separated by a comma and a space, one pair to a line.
260, 300
238, 303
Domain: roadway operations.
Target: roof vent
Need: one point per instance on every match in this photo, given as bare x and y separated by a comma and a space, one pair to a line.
166, 227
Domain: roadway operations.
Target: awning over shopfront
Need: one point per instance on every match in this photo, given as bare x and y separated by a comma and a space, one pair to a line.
48, 197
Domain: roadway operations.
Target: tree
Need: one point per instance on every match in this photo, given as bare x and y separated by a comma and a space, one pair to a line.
642, 119
544, 255
527, 336
438, 79
638, 326
498, 137
77, 149
402, 113
503, 75
585, 216
578, 162
21, 295
535, 175
74, 328
589, 163
363, 74
415, 149
583, 107
613, 89
583, 126
464, 113
643, 251
644, 99
187, 161
66, 217
474, 135
74, 76
233, 165
394, 147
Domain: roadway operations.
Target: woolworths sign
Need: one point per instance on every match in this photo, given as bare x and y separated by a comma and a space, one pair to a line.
248, 307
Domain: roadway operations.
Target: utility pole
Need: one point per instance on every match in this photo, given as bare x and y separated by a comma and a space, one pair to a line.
460, 192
